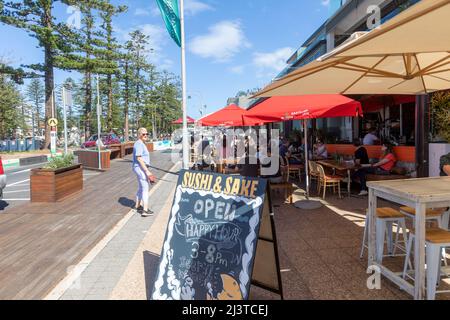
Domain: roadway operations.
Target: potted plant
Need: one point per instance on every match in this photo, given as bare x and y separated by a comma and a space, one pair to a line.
88, 158
440, 130
57, 180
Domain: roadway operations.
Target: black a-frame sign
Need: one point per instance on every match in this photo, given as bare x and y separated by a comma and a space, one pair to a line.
220, 239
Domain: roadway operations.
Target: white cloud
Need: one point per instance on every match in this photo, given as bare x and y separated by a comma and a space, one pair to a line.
272, 61
192, 7
156, 33
158, 37
142, 12
155, 12
237, 69
166, 64
325, 3
223, 41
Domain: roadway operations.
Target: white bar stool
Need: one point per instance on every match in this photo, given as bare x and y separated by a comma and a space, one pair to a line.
431, 215
385, 218
439, 216
436, 240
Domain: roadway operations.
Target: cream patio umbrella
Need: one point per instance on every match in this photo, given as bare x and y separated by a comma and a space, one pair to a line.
410, 54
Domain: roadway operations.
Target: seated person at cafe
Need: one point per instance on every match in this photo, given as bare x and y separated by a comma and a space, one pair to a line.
272, 174
284, 147
382, 167
295, 152
371, 138
320, 150
445, 165
361, 156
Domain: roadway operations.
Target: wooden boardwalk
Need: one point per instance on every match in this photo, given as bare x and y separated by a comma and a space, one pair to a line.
40, 242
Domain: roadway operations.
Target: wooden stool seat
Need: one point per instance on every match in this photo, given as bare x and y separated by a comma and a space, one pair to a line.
429, 212
389, 213
435, 235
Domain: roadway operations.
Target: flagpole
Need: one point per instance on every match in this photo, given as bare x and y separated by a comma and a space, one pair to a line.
183, 80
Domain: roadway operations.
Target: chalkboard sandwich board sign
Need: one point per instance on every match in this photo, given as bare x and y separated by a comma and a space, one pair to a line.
211, 239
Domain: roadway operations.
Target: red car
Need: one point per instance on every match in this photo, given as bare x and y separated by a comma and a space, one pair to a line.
107, 139
2, 178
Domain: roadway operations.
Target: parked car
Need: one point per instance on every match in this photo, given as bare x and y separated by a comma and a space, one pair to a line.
2, 178
107, 139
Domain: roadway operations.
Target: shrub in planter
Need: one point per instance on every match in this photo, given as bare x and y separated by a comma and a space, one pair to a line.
57, 180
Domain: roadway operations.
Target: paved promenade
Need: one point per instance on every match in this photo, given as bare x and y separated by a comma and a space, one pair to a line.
103, 272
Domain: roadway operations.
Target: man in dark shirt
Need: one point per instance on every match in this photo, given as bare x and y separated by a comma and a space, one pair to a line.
361, 156
445, 165
284, 148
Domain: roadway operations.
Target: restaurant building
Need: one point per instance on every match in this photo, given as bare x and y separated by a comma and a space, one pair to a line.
397, 118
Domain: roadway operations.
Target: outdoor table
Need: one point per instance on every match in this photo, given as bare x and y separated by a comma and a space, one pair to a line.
336, 165
420, 194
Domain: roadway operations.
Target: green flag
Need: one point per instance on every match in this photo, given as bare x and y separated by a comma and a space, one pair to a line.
171, 16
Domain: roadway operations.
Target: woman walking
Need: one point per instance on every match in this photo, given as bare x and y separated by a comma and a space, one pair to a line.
141, 164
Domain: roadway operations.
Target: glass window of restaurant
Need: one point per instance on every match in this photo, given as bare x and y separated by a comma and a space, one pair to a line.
394, 123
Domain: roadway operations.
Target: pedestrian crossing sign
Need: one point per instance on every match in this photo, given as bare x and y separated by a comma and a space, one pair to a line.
53, 122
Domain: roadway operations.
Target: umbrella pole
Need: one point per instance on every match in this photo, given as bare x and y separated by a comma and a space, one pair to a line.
307, 204
305, 128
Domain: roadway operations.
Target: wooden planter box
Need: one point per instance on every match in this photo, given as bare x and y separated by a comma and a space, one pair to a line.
49, 185
150, 147
89, 159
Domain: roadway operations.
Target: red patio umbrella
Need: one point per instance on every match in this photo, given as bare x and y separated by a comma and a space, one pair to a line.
180, 121
277, 109
375, 103
230, 116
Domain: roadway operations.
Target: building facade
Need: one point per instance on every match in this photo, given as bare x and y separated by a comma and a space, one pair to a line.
347, 19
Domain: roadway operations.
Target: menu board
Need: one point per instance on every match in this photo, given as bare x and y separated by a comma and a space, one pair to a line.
211, 239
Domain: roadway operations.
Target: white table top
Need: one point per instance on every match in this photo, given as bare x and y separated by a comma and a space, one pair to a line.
418, 190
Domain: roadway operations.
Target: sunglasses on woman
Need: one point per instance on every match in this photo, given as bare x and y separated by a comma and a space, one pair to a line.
145, 134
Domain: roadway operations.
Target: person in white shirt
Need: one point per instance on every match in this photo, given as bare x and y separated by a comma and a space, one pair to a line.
370, 139
320, 150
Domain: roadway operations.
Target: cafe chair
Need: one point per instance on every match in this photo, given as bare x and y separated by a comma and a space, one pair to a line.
327, 181
193, 156
385, 219
436, 240
314, 173
284, 184
294, 170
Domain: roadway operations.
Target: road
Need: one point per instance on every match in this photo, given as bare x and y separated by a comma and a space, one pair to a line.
17, 189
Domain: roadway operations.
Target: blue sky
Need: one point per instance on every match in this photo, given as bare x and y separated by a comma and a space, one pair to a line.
232, 45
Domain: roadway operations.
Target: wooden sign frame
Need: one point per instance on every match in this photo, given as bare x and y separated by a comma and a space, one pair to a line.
267, 238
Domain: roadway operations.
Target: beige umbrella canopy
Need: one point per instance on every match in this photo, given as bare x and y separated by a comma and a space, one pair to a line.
410, 54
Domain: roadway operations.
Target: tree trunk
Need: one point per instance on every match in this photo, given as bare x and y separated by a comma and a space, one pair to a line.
87, 105
38, 120
127, 101
49, 78
110, 104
